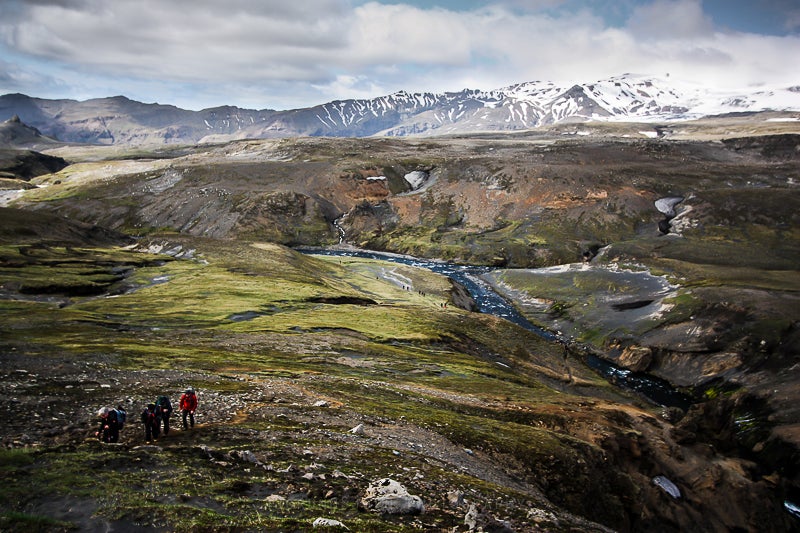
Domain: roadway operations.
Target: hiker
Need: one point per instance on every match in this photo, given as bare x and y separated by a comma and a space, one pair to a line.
166, 411
188, 405
151, 418
111, 421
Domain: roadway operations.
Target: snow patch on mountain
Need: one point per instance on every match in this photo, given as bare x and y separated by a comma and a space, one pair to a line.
533, 104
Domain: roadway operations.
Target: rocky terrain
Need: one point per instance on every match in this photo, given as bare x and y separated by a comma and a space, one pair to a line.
131, 271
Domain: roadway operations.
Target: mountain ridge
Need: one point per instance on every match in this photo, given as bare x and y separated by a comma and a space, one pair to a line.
522, 106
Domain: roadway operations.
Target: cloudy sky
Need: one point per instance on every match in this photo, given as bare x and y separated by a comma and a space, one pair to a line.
284, 54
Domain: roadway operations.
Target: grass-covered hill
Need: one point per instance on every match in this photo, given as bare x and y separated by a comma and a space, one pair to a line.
448, 400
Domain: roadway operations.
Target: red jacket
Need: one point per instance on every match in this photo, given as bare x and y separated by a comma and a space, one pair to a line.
188, 402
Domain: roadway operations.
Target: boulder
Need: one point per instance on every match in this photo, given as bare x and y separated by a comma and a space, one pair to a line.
390, 497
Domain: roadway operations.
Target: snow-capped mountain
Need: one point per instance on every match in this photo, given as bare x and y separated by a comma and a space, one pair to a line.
630, 98
535, 104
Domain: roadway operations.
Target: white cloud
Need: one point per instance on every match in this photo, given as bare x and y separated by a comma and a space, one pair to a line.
273, 53
388, 34
186, 40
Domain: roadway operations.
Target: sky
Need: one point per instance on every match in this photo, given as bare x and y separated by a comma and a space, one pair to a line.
283, 54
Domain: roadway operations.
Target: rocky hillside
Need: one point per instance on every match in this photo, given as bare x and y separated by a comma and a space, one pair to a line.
16, 134
629, 98
18, 162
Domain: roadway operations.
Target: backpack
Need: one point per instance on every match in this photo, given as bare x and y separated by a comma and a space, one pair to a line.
164, 403
189, 401
151, 416
122, 415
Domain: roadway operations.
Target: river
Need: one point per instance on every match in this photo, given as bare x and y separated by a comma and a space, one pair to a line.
489, 301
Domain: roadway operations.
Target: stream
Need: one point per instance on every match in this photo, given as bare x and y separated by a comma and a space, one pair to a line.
490, 302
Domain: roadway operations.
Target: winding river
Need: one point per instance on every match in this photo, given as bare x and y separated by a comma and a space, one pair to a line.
489, 301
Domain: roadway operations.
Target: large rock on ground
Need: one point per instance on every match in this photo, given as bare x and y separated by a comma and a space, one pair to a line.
390, 497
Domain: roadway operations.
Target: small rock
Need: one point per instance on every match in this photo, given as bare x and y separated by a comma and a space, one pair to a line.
478, 520
328, 522
148, 448
321, 403
667, 486
358, 430
471, 518
455, 498
245, 455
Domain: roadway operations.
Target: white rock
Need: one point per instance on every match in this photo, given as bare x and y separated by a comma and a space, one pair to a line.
667, 486
390, 497
246, 455
328, 522
148, 448
416, 179
471, 518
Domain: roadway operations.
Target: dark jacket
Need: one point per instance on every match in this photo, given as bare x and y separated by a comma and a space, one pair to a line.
151, 415
110, 420
165, 405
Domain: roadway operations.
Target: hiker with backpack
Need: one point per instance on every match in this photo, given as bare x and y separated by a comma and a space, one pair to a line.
188, 405
151, 418
111, 421
166, 411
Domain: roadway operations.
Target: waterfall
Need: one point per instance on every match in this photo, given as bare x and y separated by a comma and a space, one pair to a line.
339, 228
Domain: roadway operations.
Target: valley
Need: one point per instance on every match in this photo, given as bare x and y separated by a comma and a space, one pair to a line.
134, 270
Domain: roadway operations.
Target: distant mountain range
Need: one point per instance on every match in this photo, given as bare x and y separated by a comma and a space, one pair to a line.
119, 120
